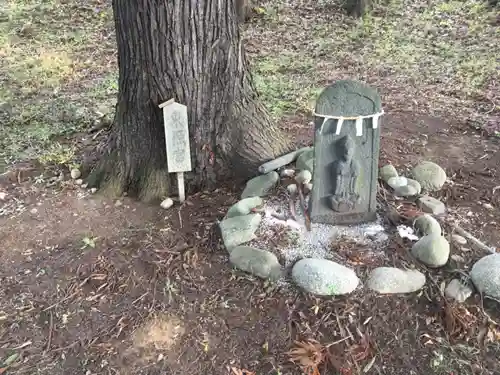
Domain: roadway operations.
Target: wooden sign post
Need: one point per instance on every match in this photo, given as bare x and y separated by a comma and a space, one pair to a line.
177, 141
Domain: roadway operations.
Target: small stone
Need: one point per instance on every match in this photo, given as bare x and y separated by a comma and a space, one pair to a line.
33, 211
118, 203
305, 161
487, 206
432, 250
389, 280
415, 184
458, 239
431, 205
308, 188
244, 206
303, 177
260, 263
167, 203
458, 291
84, 186
486, 275
239, 230
324, 277
261, 185
426, 224
405, 191
93, 190
75, 173
430, 176
292, 188
396, 182
3, 196
387, 172
287, 173
79, 182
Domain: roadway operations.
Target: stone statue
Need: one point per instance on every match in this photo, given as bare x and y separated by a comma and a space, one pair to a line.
345, 174
346, 157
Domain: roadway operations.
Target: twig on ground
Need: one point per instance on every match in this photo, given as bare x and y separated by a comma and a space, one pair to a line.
473, 239
337, 342
293, 214
180, 217
304, 207
140, 298
24, 345
487, 316
66, 347
51, 328
70, 296
61, 301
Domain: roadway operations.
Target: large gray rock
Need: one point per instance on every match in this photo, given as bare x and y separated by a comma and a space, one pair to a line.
430, 175
415, 184
244, 206
431, 205
258, 262
239, 230
387, 171
260, 186
432, 250
426, 224
457, 290
305, 161
397, 182
324, 277
389, 280
405, 191
485, 274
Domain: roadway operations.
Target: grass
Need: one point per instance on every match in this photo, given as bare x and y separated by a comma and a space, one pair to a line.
47, 67
282, 95
433, 47
59, 72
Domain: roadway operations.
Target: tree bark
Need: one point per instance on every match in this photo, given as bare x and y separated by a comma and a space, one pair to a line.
190, 50
243, 10
357, 8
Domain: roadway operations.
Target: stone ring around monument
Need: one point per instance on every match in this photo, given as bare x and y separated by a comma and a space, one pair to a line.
358, 119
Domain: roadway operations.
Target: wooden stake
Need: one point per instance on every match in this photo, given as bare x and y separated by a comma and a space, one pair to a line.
180, 186
304, 207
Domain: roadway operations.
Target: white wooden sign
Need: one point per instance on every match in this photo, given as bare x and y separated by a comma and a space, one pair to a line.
177, 141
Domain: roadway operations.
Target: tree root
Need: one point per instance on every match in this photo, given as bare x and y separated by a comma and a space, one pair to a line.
113, 178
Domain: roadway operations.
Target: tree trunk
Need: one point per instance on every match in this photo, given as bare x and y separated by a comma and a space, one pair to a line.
243, 10
189, 50
357, 8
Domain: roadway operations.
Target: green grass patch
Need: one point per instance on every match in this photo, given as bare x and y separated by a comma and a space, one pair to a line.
49, 51
451, 41
283, 84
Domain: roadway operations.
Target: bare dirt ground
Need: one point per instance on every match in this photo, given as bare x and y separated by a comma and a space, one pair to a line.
156, 296
90, 285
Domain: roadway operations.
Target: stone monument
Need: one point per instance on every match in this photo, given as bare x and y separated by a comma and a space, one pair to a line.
346, 152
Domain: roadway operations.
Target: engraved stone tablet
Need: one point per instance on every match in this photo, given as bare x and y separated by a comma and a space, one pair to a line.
346, 151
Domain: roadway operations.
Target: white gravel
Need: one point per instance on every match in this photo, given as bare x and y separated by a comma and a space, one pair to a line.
317, 242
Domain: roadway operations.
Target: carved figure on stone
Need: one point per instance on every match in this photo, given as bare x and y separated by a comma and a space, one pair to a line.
345, 173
